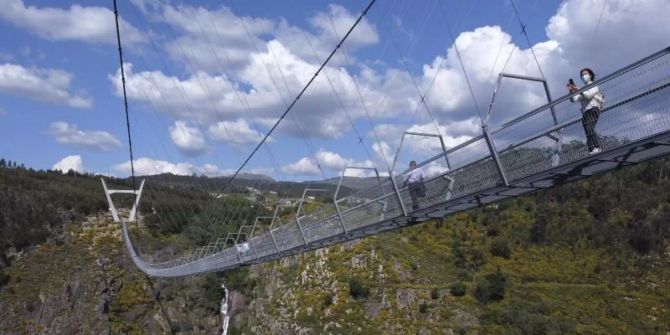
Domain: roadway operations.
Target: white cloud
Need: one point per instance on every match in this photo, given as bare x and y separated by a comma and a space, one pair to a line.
218, 40
46, 85
453, 133
383, 151
330, 161
68, 163
305, 166
318, 112
186, 99
306, 44
335, 162
214, 38
235, 132
88, 24
67, 133
145, 166
189, 140
641, 25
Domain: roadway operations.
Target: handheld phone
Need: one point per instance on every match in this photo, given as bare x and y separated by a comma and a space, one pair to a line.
572, 82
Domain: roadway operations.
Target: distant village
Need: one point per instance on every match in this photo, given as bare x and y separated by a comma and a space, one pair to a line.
269, 199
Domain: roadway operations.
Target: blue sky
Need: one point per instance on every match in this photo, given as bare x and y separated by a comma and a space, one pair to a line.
205, 80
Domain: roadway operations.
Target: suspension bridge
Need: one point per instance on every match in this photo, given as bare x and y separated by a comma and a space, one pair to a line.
539, 149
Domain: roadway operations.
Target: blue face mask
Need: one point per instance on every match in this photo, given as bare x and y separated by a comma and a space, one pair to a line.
586, 78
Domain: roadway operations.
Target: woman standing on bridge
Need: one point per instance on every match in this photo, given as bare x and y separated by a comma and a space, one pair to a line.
592, 103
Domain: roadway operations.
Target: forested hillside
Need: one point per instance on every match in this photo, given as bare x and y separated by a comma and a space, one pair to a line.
590, 257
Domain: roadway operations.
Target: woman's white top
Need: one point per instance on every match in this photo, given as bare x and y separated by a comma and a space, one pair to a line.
590, 98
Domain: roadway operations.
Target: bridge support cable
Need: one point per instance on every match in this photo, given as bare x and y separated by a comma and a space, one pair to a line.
460, 61
125, 96
525, 34
235, 214
362, 100
424, 96
600, 17
509, 56
359, 136
308, 144
189, 108
181, 91
502, 43
378, 142
288, 109
233, 177
403, 58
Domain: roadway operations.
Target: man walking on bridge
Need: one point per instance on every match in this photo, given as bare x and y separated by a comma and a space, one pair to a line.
414, 180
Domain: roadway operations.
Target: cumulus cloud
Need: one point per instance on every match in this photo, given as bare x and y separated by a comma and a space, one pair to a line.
328, 160
189, 140
67, 133
335, 162
145, 166
234, 132
639, 24
304, 166
68, 163
329, 28
420, 148
212, 39
319, 112
46, 85
183, 99
87, 24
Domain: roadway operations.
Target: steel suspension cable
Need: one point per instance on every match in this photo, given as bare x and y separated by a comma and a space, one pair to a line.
289, 107
209, 217
509, 57
460, 60
600, 17
295, 100
337, 95
125, 97
422, 96
525, 34
186, 100
502, 41
308, 144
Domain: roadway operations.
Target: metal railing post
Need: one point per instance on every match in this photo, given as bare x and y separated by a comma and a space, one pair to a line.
494, 154
397, 192
274, 217
302, 234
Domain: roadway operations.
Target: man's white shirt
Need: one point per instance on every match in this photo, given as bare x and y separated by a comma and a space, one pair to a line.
414, 176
